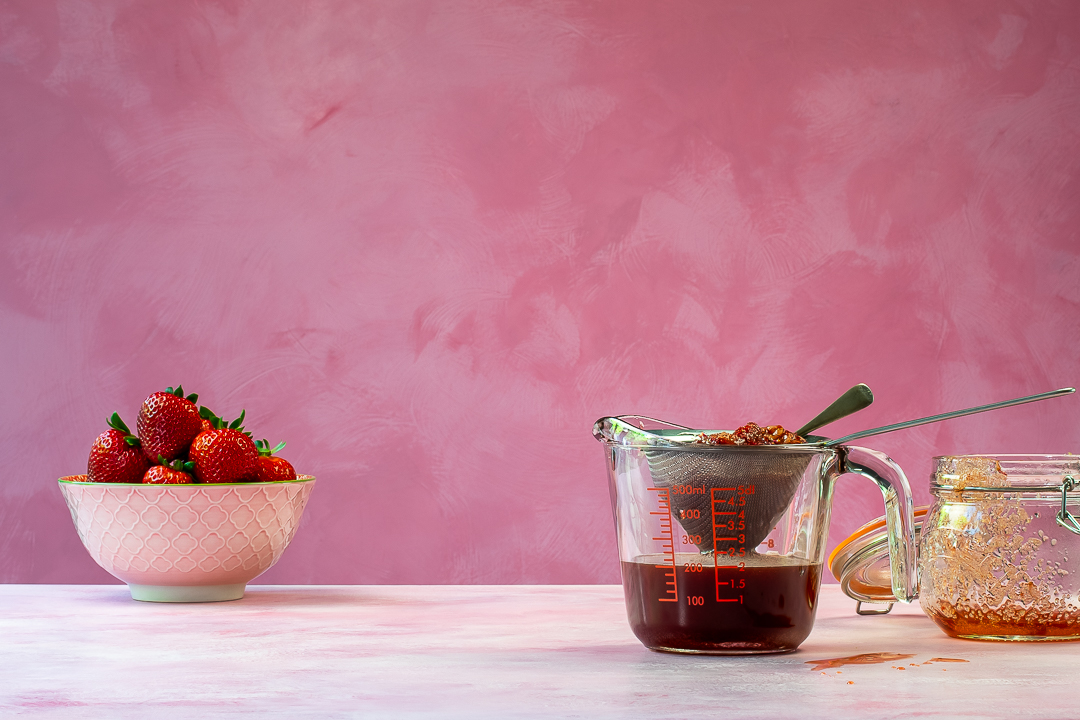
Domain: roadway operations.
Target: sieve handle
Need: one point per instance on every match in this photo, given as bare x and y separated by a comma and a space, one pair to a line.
631, 429
948, 416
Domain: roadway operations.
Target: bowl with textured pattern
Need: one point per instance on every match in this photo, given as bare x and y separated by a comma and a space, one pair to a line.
186, 543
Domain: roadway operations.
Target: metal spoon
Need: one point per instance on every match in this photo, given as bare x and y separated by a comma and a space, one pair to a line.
947, 416
852, 401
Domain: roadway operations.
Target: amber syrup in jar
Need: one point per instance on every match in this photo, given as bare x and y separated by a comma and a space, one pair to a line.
994, 562
724, 605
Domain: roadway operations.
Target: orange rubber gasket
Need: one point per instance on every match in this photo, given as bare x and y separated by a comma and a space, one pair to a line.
865, 530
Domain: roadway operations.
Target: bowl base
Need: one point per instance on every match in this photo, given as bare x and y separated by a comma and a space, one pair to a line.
186, 593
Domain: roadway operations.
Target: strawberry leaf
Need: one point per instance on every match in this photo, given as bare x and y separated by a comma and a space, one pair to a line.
264, 447
117, 424
207, 414
238, 423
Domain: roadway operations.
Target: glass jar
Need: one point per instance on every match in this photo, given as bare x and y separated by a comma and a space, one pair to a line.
999, 553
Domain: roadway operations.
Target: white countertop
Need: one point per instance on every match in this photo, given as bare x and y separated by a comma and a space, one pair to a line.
482, 652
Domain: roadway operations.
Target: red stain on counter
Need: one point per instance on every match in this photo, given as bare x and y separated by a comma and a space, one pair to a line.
863, 659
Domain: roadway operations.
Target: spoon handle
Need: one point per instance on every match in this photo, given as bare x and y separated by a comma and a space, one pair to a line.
853, 400
948, 415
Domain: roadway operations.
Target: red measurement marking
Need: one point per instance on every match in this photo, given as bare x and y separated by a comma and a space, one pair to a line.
717, 527
663, 499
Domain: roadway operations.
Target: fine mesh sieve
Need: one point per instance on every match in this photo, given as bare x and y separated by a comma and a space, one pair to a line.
694, 475
697, 475
723, 478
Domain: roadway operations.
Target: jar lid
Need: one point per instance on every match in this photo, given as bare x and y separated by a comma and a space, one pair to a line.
975, 474
861, 562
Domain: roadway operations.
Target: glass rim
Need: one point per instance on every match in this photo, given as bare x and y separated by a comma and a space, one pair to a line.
1003, 489
1013, 457
1025, 473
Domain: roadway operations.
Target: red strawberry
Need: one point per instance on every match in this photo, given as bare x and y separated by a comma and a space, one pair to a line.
176, 473
224, 454
168, 422
270, 468
116, 456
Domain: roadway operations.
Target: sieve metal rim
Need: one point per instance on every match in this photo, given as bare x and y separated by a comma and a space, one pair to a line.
793, 448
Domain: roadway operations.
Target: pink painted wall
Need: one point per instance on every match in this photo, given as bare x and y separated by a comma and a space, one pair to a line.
428, 244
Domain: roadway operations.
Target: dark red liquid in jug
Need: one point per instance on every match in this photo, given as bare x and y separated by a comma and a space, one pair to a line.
757, 604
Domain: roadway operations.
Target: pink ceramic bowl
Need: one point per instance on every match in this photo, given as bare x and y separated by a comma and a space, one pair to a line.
186, 543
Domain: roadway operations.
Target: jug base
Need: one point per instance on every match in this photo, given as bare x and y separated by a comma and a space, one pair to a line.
733, 651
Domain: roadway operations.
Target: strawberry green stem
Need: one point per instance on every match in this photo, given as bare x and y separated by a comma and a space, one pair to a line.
117, 424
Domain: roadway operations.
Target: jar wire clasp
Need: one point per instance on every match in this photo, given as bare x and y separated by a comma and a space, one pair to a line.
867, 611
1065, 518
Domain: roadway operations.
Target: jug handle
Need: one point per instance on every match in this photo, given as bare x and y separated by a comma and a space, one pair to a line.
899, 520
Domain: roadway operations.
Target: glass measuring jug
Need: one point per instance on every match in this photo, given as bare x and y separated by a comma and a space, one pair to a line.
724, 555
